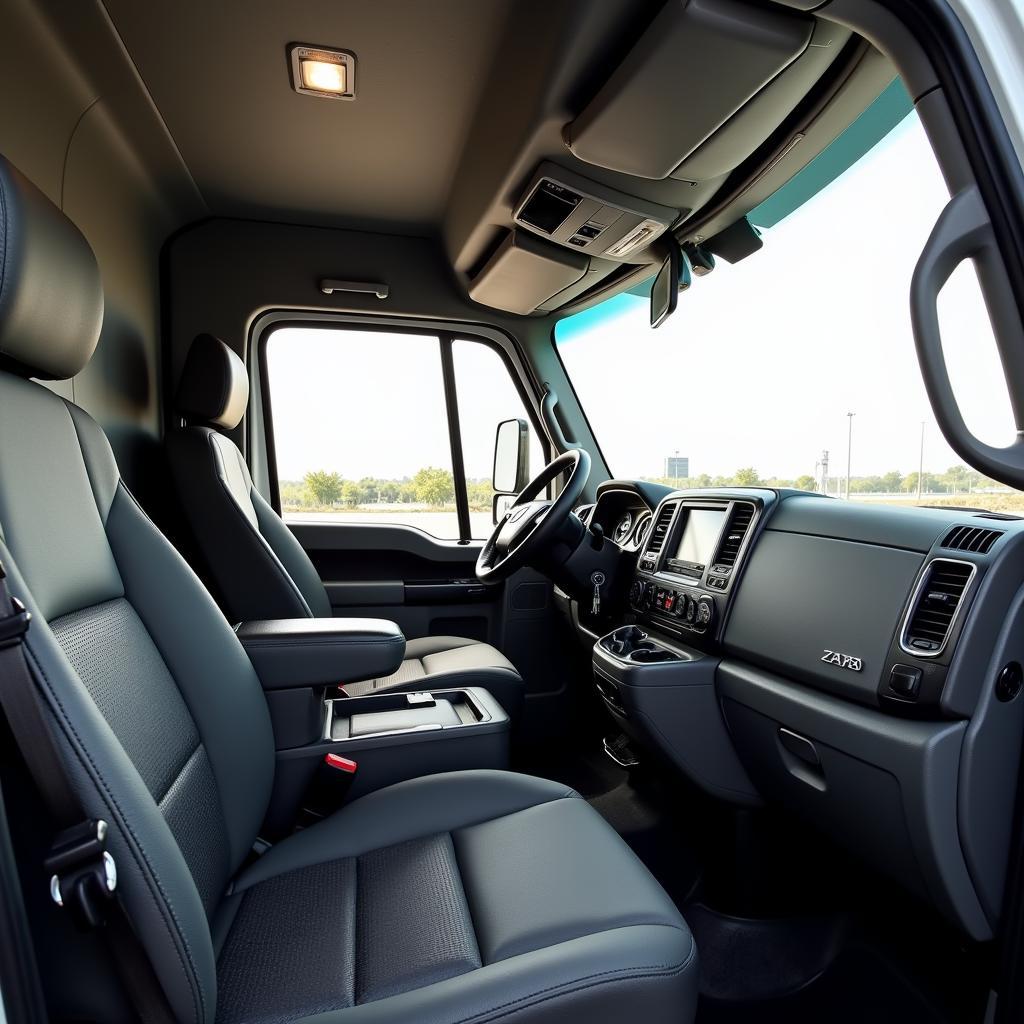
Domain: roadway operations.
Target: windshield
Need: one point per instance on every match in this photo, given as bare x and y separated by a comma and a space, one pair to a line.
796, 367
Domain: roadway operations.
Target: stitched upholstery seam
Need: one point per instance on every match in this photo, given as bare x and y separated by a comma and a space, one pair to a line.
178, 774
104, 515
569, 794
582, 984
255, 641
146, 870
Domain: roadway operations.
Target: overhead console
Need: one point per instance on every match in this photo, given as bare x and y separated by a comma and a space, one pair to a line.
672, 93
590, 218
567, 229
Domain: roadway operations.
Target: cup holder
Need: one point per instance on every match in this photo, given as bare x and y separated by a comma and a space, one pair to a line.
632, 644
652, 655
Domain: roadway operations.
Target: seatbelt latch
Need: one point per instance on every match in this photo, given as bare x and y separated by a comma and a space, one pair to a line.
83, 875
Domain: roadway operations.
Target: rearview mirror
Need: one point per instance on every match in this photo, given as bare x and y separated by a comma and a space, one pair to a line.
665, 290
511, 457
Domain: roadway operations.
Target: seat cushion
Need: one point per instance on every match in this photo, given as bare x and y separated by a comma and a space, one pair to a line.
442, 662
472, 896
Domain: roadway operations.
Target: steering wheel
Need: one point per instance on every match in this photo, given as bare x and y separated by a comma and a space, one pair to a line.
530, 525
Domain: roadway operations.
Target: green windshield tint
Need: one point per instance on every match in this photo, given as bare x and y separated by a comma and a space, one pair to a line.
867, 131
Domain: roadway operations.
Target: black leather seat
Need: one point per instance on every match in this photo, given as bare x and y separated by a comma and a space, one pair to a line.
478, 896
258, 567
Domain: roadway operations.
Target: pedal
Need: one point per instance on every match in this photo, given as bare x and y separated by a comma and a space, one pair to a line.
619, 750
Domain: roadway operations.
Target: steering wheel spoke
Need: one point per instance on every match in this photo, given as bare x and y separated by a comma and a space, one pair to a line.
533, 522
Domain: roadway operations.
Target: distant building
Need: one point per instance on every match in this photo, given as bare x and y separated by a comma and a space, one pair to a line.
677, 467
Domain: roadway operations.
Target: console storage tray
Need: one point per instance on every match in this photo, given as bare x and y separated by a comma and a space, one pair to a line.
393, 737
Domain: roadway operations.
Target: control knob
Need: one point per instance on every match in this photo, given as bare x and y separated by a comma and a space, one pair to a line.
704, 612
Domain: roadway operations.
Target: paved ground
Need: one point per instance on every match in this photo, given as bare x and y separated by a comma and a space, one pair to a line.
439, 524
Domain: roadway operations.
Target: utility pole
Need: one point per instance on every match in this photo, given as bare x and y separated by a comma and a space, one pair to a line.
849, 451
824, 472
920, 466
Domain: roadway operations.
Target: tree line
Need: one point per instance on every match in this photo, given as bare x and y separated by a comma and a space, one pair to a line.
430, 486
956, 480
435, 487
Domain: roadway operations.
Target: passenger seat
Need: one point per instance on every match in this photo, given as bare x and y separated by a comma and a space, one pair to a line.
258, 567
471, 897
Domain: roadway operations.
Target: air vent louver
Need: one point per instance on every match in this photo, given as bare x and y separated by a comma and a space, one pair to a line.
660, 531
971, 538
935, 606
739, 523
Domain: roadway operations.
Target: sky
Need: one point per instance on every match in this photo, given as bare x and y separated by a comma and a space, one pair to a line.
758, 367
371, 403
763, 359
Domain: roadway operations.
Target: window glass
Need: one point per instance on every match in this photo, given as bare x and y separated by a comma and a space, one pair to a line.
487, 395
797, 366
361, 428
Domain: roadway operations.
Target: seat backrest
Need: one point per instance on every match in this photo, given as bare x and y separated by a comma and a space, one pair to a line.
154, 704
256, 565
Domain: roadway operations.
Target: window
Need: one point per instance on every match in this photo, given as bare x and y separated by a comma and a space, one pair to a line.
487, 396
797, 366
361, 426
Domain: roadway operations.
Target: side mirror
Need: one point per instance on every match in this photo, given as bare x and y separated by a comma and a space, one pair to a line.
511, 457
665, 290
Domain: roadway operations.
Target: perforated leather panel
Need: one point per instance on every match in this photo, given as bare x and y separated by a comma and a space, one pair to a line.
290, 952
115, 657
347, 932
413, 923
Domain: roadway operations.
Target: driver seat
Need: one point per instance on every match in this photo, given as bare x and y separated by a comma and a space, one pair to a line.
257, 567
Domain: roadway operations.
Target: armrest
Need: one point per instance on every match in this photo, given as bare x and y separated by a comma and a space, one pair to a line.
290, 653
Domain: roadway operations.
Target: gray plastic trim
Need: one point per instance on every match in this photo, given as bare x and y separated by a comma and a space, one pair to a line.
924, 759
674, 707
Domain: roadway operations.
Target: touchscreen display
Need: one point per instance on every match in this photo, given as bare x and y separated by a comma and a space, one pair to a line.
697, 544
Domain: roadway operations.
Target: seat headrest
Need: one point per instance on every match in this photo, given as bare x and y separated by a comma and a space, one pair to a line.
51, 296
214, 386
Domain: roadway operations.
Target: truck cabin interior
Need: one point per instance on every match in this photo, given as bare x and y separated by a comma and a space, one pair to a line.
370, 655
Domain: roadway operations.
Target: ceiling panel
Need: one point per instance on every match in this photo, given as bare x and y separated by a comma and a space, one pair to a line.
219, 75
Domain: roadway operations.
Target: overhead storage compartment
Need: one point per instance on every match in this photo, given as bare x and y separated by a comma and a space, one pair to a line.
698, 64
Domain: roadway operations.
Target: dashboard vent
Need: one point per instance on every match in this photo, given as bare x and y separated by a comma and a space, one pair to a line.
971, 538
660, 531
739, 522
936, 603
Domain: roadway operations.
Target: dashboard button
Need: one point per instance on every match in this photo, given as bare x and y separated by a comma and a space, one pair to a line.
704, 612
905, 680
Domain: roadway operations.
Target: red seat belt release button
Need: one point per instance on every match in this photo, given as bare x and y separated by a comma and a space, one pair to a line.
342, 764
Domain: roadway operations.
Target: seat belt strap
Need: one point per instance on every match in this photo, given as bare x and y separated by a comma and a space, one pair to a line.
83, 875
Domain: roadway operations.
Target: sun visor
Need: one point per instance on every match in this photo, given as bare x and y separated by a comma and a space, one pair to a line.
698, 63
525, 272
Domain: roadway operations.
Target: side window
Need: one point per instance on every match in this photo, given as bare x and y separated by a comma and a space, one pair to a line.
487, 395
361, 427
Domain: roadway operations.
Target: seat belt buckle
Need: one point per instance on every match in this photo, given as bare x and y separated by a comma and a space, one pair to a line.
14, 625
83, 875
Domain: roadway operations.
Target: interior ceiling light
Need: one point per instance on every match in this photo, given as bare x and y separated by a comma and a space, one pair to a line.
320, 72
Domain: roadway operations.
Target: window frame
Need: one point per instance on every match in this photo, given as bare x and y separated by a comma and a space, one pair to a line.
447, 333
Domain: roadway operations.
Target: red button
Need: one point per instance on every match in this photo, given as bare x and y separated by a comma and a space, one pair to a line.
343, 764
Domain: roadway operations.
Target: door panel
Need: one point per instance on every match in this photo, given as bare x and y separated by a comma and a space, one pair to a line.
428, 586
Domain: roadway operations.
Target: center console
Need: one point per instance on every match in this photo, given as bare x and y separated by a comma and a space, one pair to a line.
373, 740
693, 555
662, 693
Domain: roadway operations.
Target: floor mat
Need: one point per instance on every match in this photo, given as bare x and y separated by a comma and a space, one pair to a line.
858, 988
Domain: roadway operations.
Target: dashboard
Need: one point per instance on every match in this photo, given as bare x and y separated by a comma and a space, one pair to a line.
860, 664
